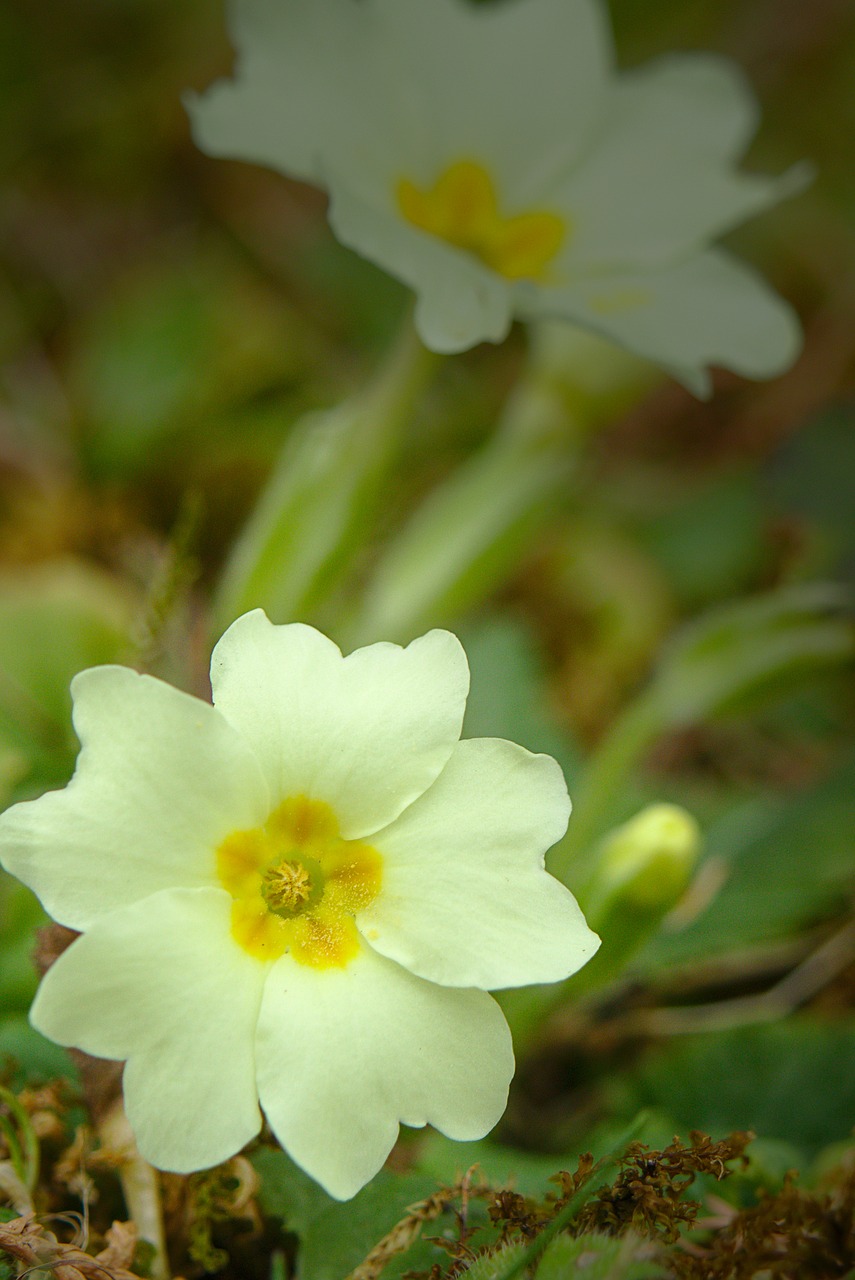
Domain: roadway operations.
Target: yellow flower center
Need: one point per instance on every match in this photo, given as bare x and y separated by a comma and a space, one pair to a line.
297, 885
462, 208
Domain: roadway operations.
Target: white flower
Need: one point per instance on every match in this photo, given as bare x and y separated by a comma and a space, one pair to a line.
297, 898
490, 157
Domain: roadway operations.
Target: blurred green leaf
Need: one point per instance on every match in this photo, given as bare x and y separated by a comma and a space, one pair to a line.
54, 621
464, 538
731, 657
811, 478
793, 1082
711, 543
173, 345
496, 1264
321, 500
34, 1057
507, 695
20, 916
744, 648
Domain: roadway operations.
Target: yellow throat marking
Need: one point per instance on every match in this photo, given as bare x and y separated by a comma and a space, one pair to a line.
462, 208
297, 885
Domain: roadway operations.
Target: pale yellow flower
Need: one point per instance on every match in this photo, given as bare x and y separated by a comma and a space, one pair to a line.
295, 900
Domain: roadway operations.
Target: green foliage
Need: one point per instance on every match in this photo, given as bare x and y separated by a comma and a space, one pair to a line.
507, 698
173, 350
739, 651
20, 916
334, 1236
793, 1082
322, 495
596, 1257
526, 1171
711, 543
785, 863
60, 619
811, 479
30, 1056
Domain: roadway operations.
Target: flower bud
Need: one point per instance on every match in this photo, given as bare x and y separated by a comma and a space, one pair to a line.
642, 870
648, 861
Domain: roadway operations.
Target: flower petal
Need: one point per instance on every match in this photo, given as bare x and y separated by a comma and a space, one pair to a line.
366, 733
696, 101
709, 310
661, 180
460, 302
393, 88
301, 70
160, 780
162, 983
345, 1054
465, 900
486, 82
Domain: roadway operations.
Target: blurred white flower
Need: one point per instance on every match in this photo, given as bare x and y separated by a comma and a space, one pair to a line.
297, 898
491, 157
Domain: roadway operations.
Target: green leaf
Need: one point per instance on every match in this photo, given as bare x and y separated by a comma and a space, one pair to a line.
597, 1257
495, 1264
711, 543
463, 540
20, 916
524, 1171
174, 344
61, 618
792, 1082
34, 1057
334, 1236
744, 648
507, 697
811, 478
737, 654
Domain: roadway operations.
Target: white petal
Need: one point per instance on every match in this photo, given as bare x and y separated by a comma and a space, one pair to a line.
399, 88
162, 983
710, 310
345, 1054
366, 733
161, 779
517, 86
465, 900
310, 80
661, 180
459, 301
695, 101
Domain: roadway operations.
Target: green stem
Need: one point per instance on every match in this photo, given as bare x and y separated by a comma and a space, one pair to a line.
471, 530
323, 493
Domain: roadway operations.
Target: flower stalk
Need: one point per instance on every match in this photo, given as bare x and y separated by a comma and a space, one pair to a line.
140, 1187
322, 493
471, 531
